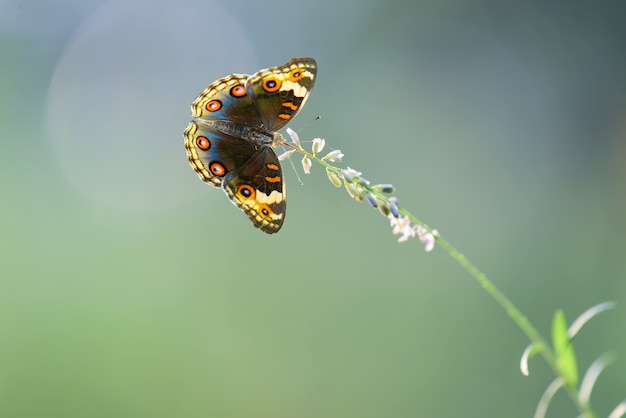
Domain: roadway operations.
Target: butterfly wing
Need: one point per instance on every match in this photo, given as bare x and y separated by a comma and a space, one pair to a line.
248, 171
258, 188
280, 92
227, 99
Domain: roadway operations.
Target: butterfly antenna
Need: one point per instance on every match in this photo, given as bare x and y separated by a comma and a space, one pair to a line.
309, 122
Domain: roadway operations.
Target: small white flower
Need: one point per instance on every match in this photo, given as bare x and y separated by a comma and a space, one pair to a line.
401, 225
353, 172
286, 155
318, 145
306, 165
349, 174
334, 156
294, 137
427, 238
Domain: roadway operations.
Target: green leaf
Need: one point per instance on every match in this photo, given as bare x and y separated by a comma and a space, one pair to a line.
564, 350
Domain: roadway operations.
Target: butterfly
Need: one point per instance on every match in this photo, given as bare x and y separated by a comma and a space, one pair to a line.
232, 133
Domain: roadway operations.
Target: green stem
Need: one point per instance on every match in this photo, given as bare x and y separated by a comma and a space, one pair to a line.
500, 298
515, 314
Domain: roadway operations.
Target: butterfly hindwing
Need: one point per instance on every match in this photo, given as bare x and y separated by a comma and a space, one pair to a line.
214, 154
258, 188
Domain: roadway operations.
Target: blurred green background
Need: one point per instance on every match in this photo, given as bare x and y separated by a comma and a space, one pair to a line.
129, 288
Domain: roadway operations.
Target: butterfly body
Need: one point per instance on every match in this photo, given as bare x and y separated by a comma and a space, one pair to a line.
231, 136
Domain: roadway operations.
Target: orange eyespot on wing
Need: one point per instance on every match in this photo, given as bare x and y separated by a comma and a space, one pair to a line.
265, 212
296, 74
203, 143
217, 169
271, 84
238, 91
246, 191
213, 105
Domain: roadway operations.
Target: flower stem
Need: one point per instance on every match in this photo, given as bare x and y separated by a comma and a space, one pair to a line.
540, 345
516, 315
